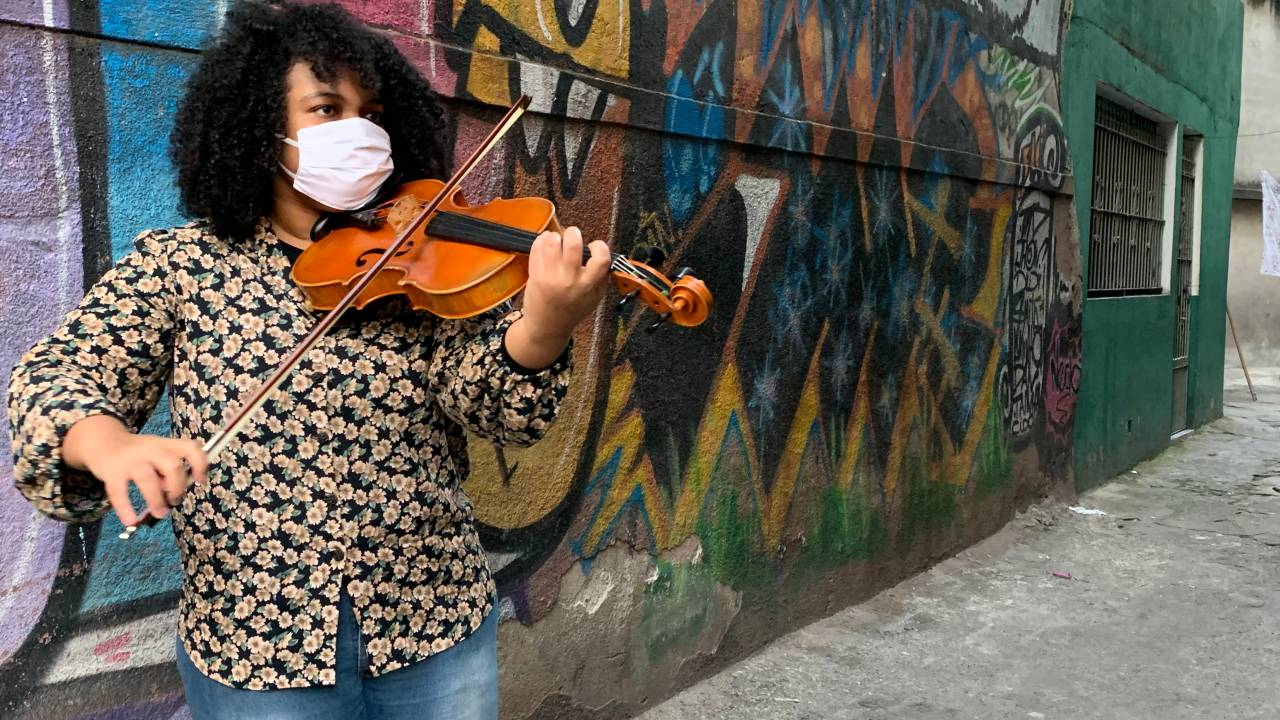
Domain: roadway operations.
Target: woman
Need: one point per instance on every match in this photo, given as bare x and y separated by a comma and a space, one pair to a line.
330, 564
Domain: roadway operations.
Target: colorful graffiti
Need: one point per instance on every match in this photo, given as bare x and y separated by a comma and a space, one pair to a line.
916, 280
871, 189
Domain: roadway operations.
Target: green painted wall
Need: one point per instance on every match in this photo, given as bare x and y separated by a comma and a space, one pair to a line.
1181, 58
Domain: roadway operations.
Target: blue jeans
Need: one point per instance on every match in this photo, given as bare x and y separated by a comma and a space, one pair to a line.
460, 683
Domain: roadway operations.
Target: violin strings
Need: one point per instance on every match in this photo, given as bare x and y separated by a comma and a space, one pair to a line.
501, 237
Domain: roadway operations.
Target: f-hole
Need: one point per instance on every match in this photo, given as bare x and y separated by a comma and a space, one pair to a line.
372, 255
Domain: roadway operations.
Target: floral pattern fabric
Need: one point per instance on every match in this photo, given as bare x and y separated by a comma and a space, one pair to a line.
347, 479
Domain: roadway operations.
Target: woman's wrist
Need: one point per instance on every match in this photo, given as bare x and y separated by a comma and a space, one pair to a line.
533, 347
89, 438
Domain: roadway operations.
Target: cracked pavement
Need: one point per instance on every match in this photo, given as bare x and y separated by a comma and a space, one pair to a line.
1171, 610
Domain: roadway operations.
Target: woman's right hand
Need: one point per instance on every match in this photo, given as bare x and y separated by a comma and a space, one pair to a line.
103, 446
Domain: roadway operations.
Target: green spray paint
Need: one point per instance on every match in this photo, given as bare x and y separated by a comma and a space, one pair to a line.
929, 504
733, 542
993, 464
678, 606
846, 529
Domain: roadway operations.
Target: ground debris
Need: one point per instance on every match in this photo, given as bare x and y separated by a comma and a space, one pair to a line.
1037, 517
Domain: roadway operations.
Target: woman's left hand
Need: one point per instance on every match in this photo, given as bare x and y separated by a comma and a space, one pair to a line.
561, 293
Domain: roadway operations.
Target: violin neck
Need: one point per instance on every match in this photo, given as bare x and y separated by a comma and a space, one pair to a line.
474, 231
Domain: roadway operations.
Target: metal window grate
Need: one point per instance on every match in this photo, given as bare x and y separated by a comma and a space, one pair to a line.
1127, 220
1186, 249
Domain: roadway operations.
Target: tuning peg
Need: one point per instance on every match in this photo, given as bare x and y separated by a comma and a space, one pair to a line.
628, 297
661, 319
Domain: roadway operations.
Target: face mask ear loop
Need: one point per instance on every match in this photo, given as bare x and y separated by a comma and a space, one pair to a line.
287, 141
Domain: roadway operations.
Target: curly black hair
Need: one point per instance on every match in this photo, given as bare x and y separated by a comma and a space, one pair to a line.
225, 142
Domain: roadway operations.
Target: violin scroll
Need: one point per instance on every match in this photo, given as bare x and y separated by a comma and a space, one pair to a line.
686, 301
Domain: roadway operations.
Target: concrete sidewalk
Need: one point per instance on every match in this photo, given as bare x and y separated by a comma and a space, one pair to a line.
1173, 609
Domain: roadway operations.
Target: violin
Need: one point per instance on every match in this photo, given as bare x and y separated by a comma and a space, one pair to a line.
466, 259
447, 257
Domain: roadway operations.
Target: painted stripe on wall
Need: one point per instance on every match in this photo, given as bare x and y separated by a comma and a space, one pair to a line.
40, 278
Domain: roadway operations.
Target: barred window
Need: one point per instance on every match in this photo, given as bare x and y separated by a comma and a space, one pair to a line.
1186, 247
1126, 232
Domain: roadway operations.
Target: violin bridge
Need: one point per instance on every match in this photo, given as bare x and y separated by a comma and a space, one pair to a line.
403, 212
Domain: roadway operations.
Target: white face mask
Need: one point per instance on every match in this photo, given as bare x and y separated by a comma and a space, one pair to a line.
341, 164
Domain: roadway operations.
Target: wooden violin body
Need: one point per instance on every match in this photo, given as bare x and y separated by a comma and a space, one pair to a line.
449, 279
465, 259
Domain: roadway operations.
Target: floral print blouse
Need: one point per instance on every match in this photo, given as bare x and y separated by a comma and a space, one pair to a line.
348, 478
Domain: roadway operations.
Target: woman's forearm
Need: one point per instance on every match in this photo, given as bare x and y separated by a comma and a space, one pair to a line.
87, 437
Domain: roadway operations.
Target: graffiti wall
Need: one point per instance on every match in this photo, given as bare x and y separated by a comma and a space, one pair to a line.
877, 194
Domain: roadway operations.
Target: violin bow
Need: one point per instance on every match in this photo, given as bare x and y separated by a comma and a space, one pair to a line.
214, 446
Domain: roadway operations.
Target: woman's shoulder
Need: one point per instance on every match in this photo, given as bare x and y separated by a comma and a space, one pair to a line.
164, 238
193, 239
